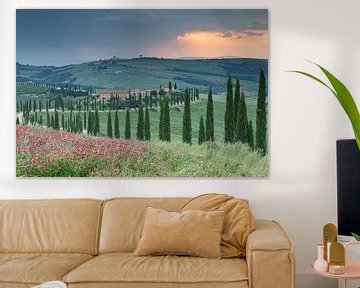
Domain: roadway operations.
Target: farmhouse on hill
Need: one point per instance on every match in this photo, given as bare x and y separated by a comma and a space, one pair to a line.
107, 93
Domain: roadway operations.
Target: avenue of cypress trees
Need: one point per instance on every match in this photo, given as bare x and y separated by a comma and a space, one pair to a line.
229, 113
209, 122
166, 119
161, 122
109, 126
242, 121
261, 141
201, 131
140, 125
117, 126
147, 125
187, 119
127, 125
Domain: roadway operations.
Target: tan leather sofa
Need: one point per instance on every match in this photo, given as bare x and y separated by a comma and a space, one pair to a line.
89, 243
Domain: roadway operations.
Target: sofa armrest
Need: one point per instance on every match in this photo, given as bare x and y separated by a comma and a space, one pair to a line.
269, 256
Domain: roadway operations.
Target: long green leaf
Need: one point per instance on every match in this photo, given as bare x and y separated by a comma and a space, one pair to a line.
357, 237
344, 97
316, 79
347, 102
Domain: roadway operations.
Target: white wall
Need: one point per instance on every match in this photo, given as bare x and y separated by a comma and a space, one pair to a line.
305, 120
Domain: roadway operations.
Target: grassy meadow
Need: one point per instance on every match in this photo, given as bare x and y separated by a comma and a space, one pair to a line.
43, 152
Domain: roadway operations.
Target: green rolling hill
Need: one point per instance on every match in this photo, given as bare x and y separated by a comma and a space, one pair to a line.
151, 73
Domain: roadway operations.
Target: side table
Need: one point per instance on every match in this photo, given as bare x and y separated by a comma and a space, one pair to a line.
352, 269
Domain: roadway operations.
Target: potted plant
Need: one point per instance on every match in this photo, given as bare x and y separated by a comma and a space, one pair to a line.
346, 100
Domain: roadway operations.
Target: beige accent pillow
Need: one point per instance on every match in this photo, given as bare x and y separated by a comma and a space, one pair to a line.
239, 221
195, 233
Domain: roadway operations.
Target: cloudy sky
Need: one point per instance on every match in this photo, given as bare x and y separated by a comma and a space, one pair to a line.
60, 37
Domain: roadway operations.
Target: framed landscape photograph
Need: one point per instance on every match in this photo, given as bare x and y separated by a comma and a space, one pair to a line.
142, 93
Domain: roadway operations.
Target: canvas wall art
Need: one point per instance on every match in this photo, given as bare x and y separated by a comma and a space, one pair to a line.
142, 93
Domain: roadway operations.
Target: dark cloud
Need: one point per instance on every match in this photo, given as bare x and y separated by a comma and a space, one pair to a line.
60, 36
227, 35
250, 33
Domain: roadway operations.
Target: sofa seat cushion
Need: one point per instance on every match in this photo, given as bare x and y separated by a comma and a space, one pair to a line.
127, 268
36, 268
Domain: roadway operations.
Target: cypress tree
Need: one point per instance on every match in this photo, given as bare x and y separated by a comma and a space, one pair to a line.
250, 135
236, 106
117, 127
187, 119
261, 125
161, 122
62, 121
52, 122
48, 122
127, 125
147, 125
56, 124
109, 126
85, 120
140, 125
166, 133
73, 125
41, 120
209, 125
89, 124
97, 122
242, 121
229, 112
79, 123
201, 131
17, 121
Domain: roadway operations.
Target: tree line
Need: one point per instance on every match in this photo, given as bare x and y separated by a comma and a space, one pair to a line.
237, 126
115, 102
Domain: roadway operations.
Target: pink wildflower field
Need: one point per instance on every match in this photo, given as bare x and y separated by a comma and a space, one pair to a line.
54, 153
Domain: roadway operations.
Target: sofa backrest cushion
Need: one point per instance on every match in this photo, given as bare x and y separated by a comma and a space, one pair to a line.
123, 220
64, 226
